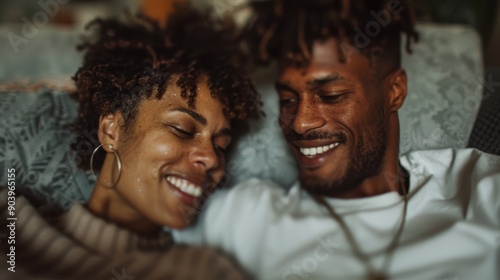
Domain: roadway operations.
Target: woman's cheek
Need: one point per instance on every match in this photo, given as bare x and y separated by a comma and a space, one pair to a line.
164, 146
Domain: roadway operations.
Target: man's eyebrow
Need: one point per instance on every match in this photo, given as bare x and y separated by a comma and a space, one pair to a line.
325, 80
199, 118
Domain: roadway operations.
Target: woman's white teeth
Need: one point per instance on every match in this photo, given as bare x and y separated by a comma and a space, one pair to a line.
317, 150
185, 186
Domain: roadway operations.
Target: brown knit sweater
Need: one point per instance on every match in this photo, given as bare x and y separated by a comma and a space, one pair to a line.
78, 245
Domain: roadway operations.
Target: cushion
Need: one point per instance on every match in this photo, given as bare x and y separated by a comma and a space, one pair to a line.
35, 140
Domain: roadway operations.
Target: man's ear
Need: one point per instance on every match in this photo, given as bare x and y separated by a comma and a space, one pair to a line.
110, 128
398, 88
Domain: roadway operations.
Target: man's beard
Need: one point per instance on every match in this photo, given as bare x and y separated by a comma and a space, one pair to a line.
366, 162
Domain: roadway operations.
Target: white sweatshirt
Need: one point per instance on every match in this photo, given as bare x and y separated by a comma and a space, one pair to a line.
452, 229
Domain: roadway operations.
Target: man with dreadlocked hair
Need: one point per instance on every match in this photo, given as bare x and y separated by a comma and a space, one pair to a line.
357, 212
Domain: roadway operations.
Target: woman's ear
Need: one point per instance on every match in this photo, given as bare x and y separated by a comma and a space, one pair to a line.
110, 128
398, 88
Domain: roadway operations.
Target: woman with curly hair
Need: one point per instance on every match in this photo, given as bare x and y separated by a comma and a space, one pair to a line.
166, 103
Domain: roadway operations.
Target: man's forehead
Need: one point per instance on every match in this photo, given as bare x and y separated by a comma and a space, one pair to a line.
326, 63
332, 52
326, 51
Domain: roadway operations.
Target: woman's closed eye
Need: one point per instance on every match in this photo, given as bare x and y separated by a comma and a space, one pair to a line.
183, 133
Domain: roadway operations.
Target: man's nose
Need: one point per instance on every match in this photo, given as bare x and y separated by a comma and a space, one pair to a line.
308, 117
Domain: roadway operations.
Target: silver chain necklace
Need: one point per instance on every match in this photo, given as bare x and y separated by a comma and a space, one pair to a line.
372, 273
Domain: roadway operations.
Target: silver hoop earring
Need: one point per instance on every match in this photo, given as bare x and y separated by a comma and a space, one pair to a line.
119, 162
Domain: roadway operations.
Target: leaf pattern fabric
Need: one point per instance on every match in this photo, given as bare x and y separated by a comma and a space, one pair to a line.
35, 140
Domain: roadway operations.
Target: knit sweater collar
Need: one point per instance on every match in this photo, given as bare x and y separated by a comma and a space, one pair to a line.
106, 238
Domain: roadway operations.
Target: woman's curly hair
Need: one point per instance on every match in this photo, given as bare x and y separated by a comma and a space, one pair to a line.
127, 62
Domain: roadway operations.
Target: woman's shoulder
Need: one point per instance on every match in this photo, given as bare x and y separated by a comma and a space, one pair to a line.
45, 245
35, 241
23, 213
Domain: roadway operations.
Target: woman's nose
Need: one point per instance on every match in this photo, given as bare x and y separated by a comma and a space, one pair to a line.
205, 157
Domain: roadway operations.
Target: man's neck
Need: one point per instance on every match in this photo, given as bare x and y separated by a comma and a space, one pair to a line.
389, 180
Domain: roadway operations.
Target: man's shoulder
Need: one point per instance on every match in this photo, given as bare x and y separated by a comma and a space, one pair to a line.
452, 173
450, 159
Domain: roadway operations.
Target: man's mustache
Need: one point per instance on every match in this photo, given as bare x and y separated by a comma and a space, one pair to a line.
316, 135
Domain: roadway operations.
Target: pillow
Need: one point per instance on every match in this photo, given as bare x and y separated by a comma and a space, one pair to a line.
446, 80
445, 89
35, 138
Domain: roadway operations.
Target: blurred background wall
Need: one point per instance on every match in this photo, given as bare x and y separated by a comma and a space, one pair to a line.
76, 13
483, 15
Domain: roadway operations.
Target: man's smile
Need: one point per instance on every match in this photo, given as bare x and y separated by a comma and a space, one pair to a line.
313, 151
312, 154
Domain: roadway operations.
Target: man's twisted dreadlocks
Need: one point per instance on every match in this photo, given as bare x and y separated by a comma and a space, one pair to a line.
128, 62
287, 28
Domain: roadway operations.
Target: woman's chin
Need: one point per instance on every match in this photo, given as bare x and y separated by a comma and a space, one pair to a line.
180, 222
179, 225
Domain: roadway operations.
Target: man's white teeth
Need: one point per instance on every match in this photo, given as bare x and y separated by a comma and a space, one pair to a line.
185, 186
317, 150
